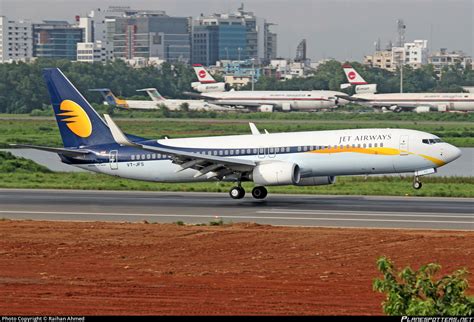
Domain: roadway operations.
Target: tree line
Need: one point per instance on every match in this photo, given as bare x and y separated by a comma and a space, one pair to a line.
330, 75
22, 88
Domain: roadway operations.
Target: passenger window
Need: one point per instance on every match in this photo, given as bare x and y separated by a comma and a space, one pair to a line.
288, 149
365, 145
133, 157
381, 145
271, 150
143, 157
254, 151
370, 145
153, 156
215, 152
375, 145
305, 148
299, 149
425, 141
231, 152
226, 152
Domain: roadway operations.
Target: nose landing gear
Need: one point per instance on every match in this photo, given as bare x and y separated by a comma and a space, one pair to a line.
417, 183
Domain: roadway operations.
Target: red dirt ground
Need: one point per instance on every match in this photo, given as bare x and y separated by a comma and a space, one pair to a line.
65, 268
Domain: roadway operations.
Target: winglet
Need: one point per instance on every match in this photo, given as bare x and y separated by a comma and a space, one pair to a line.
117, 133
254, 129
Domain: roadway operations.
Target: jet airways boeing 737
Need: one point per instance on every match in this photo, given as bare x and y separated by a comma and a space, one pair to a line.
397, 102
270, 159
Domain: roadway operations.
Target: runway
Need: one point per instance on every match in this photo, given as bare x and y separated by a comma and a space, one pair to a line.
194, 208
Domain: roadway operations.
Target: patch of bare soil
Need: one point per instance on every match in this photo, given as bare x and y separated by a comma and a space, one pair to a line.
66, 268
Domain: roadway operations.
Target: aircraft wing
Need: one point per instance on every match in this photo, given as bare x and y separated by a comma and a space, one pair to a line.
352, 98
197, 95
188, 160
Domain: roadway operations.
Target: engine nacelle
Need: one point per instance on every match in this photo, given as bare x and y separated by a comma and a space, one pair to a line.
317, 181
276, 174
422, 109
211, 87
442, 108
366, 89
265, 108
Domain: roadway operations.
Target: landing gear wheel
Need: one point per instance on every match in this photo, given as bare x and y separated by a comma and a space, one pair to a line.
417, 185
259, 192
237, 193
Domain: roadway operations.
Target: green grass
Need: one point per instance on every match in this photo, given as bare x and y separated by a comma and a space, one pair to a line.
393, 186
454, 128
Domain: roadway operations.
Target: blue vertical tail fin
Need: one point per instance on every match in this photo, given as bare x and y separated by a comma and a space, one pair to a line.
79, 124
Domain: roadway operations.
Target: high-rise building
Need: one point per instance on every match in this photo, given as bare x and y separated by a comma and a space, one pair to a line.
56, 39
16, 40
149, 34
237, 36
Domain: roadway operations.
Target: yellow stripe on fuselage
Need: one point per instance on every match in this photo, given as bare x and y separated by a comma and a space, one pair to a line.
376, 151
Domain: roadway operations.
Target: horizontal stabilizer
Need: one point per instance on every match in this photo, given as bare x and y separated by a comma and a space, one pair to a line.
66, 152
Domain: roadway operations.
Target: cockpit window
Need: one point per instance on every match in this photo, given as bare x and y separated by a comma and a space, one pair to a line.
431, 141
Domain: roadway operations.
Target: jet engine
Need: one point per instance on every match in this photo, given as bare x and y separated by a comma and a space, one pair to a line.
265, 108
366, 89
317, 181
276, 174
211, 87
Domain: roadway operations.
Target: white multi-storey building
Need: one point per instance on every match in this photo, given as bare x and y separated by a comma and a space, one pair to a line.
16, 40
93, 52
444, 58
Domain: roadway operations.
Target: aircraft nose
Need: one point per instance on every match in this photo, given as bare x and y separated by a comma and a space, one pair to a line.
453, 153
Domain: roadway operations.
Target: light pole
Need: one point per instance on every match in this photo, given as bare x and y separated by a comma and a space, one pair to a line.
253, 73
239, 49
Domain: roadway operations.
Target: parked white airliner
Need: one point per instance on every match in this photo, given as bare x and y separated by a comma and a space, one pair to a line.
270, 101
156, 101
301, 158
397, 102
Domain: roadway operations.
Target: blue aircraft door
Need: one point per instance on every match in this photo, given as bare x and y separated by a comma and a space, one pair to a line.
113, 160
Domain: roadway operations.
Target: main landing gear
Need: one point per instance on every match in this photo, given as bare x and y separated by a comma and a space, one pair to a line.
238, 192
417, 183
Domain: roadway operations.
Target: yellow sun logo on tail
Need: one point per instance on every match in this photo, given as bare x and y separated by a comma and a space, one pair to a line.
76, 118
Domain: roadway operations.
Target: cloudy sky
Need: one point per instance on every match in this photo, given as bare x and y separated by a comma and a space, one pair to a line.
342, 29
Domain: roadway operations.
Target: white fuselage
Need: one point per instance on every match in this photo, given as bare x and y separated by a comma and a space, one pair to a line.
318, 153
435, 101
282, 100
173, 104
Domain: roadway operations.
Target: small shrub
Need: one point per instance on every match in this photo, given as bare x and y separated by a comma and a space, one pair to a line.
419, 293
